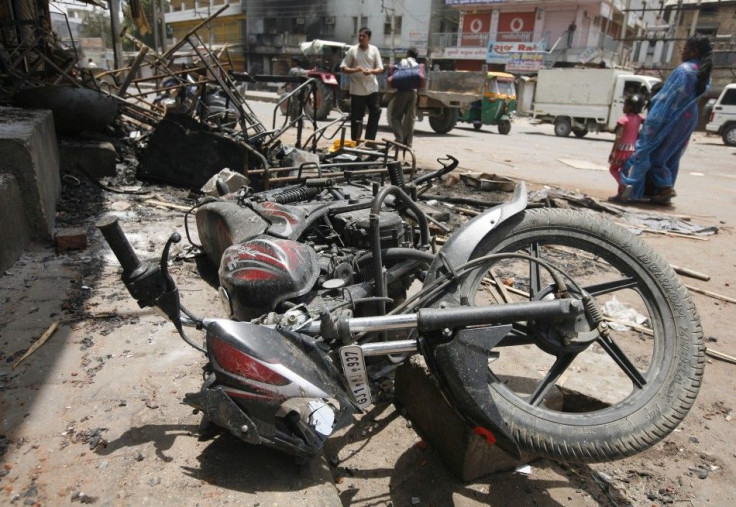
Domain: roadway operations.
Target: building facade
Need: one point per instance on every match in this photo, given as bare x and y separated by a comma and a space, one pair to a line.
523, 36
713, 18
277, 27
227, 29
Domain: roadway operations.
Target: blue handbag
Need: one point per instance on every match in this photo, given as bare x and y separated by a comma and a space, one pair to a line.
407, 78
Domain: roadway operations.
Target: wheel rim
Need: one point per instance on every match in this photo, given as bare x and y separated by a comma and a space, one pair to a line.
731, 136
562, 129
533, 369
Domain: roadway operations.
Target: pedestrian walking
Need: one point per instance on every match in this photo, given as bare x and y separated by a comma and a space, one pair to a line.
91, 63
627, 132
362, 63
404, 104
668, 126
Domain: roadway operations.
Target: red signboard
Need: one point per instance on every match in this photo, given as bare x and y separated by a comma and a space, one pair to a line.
515, 27
475, 29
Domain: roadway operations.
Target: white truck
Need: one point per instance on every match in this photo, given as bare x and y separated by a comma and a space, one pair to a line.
585, 100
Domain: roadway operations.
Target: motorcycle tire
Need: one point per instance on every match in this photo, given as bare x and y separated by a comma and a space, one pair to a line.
592, 409
325, 103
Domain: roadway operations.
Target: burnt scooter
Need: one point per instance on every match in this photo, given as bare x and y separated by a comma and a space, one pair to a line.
316, 279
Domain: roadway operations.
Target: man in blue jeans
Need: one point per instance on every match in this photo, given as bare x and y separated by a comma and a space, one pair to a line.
362, 63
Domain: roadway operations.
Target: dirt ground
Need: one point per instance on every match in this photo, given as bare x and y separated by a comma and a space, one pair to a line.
94, 416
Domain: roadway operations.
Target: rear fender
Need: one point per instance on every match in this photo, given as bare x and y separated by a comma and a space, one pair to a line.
462, 368
327, 78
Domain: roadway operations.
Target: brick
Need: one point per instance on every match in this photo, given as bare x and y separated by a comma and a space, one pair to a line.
71, 239
467, 455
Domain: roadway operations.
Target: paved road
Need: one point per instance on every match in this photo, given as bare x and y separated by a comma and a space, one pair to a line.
535, 154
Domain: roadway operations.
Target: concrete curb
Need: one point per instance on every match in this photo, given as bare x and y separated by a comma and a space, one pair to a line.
262, 96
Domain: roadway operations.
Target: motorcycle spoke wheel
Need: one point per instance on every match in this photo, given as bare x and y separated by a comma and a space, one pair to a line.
544, 353
603, 397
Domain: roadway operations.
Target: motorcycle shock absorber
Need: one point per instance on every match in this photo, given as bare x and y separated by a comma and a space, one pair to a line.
295, 195
396, 174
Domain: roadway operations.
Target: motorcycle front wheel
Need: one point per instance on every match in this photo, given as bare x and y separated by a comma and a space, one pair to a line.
595, 397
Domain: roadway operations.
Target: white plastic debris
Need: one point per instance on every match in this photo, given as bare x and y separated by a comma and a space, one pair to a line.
524, 470
233, 180
622, 315
321, 417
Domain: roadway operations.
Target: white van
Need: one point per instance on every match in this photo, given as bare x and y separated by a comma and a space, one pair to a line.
723, 116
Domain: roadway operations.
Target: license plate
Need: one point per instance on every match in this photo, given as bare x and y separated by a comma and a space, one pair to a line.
353, 366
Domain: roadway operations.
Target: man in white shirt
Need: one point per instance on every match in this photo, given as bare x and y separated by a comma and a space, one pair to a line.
362, 63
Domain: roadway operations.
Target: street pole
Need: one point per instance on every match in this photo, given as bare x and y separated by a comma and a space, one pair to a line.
117, 44
624, 26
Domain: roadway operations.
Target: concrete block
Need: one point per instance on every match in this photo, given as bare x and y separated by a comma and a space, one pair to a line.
71, 239
14, 234
96, 158
30, 153
466, 454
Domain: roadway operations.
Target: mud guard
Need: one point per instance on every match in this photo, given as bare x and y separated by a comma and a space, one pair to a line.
461, 245
462, 365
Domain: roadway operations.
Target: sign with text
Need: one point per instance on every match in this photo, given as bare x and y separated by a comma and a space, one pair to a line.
475, 29
498, 52
515, 26
461, 53
528, 61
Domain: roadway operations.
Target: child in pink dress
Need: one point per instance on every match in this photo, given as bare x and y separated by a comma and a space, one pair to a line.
627, 132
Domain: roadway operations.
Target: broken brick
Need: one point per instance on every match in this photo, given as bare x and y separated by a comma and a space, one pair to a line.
71, 239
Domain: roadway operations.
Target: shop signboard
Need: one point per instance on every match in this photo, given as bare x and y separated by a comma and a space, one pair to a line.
498, 52
525, 61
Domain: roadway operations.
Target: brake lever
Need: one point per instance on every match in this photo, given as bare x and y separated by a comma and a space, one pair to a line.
451, 164
170, 284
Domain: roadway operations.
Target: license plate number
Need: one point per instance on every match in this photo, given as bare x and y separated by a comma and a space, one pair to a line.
353, 366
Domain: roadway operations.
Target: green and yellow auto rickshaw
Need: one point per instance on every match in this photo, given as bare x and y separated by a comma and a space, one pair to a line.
498, 105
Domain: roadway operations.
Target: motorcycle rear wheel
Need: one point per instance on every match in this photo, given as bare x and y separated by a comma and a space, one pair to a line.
577, 402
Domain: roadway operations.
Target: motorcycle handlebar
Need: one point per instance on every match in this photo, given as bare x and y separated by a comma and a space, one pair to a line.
119, 244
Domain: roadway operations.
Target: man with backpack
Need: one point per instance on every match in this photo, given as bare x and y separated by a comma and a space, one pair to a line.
404, 104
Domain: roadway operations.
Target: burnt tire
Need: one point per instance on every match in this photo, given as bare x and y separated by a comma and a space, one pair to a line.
569, 421
445, 121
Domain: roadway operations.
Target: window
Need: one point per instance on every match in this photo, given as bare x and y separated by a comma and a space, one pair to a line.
359, 23
269, 26
387, 26
729, 99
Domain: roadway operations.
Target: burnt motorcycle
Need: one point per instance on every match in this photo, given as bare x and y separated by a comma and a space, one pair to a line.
331, 285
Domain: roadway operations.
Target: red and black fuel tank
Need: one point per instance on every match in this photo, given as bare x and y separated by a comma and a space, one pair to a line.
260, 273
223, 223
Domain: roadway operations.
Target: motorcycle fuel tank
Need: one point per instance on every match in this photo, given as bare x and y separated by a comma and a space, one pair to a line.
260, 273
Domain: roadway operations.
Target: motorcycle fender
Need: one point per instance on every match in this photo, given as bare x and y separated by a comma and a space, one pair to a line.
462, 366
329, 79
461, 245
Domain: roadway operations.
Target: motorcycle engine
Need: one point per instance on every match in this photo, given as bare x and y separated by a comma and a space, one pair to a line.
354, 228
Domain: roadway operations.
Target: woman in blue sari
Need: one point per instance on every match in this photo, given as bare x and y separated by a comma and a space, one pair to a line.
672, 117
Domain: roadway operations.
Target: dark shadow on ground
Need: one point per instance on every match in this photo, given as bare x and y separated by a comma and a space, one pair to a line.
420, 474
226, 462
